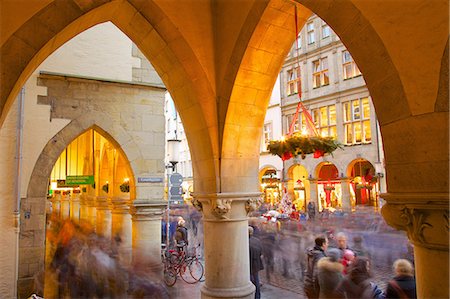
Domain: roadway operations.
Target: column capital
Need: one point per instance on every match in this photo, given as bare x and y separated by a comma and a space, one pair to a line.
103, 202
218, 206
142, 210
120, 205
424, 217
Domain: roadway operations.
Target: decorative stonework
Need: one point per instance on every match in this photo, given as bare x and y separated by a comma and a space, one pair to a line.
226, 206
253, 204
197, 204
424, 218
221, 207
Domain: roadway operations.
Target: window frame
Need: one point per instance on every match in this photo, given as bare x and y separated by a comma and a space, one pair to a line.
310, 32
347, 61
320, 73
294, 79
358, 119
330, 127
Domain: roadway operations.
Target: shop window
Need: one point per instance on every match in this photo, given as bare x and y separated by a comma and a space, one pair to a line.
320, 73
357, 121
324, 119
310, 33
294, 81
349, 66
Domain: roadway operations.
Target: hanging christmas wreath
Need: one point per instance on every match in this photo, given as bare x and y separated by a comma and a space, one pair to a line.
299, 145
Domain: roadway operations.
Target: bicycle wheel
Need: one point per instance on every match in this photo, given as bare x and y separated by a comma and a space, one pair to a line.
185, 274
196, 269
170, 276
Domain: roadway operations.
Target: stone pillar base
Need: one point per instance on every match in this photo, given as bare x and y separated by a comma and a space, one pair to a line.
247, 291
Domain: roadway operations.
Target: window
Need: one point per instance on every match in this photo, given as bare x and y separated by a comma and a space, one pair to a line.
326, 31
320, 73
357, 121
299, 42
294, 81
350, 68
325, 120
267, 135
289, 119
310, 32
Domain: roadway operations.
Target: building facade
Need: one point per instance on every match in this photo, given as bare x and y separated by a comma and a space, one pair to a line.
320, 72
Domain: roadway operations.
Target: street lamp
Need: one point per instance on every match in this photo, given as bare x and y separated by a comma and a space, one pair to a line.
173, 151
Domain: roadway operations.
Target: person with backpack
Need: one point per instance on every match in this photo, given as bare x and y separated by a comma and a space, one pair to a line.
181, 235
311, 281
403, 285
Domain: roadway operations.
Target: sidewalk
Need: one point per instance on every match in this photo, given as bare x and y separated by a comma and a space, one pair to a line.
184, 290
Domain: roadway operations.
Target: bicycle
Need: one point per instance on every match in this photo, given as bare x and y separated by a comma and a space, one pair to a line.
187, 266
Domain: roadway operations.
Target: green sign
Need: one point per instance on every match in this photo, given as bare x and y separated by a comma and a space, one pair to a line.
79, 180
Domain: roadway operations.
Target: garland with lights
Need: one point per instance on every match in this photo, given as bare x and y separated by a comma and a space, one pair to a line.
299, 145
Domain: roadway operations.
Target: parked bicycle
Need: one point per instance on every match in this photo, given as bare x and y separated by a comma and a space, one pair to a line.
179, 262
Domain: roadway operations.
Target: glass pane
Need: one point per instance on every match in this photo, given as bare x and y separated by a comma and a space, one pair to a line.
333, 131
315, 116
358, 132
347, 71
348, 134
299, 41
347, 112
332, 114
316, 66
346, 57
366, 108
367, 131
316, 80
310, 26
356, 111
323, 117
326, 80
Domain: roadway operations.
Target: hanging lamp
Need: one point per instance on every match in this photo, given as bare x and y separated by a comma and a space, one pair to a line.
302, 143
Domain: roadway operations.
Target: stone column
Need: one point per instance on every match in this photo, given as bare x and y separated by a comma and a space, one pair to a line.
75, 207
146, 226
424, 217
91, 210
83, 208
121, 227
226, 245
65, 205
346, 199
56, 203
104, 217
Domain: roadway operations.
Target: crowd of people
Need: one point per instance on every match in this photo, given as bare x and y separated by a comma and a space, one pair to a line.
83, 264
339, 272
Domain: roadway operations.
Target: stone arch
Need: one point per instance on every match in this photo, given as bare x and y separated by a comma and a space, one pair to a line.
37, 186
161, 42
272, 37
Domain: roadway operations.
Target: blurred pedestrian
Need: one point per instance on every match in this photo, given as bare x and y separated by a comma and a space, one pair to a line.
347, 259
341, 240
403, 285
268, 242
256, 264
329, 273
311, 210
357, 283
358, 247
311, 282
